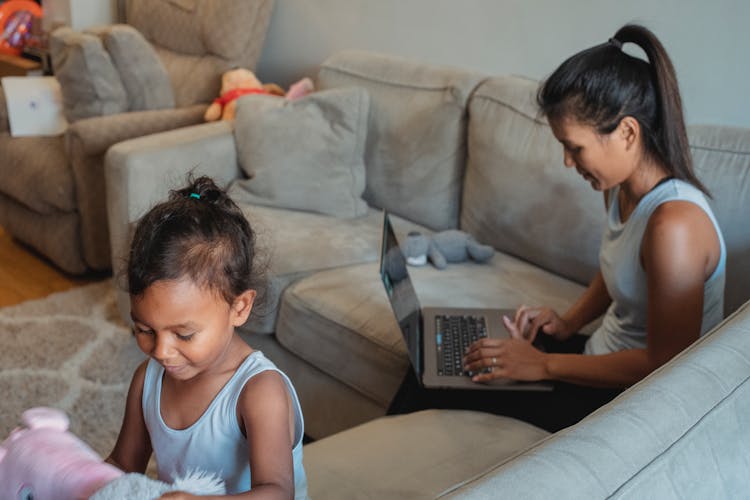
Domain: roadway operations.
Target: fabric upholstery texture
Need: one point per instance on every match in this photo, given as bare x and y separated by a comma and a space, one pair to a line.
341, 320
89, 81
295, 244
57, 234
190, 37
416, 134
721, 158
516, 187
680, 433
305, 154
41, 181
141, 71
419, 455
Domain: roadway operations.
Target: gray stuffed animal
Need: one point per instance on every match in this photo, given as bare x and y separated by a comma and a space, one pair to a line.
441, 248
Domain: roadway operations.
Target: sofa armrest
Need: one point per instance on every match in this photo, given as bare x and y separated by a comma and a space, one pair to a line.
140, 173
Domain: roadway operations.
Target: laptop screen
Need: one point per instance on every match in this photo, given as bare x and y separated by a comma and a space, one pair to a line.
401, 294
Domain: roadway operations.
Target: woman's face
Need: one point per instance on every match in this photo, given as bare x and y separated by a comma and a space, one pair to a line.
604, 161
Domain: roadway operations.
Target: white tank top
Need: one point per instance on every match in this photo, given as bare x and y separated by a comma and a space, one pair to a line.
214, 443
624, 323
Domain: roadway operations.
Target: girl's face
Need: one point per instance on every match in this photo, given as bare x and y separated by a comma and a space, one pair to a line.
603, 160
187, 329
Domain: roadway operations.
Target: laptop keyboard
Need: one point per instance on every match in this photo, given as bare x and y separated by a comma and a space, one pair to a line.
453, 335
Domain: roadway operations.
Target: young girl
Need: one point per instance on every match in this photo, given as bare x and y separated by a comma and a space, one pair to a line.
205, 400
662, 258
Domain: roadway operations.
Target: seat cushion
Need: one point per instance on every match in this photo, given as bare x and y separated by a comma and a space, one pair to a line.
340, 320
36, 174
419, 455
294, 244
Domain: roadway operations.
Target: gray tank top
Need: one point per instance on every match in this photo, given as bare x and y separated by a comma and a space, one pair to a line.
214, 443
624, 323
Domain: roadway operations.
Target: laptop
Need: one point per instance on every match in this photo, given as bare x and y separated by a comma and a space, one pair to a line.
437, 337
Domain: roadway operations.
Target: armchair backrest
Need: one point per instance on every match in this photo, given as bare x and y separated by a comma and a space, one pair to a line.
197, 40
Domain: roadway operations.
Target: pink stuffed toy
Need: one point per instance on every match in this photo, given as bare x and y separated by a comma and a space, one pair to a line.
43, 461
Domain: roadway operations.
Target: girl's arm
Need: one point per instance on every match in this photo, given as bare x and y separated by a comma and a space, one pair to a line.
133, 447
267, 416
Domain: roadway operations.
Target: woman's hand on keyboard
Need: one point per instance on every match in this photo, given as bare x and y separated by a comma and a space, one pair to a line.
513, 358
529, 321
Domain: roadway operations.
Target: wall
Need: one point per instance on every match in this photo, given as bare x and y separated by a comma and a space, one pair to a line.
78, 14
708, 41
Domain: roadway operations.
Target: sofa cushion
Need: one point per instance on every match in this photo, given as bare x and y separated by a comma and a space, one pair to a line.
43, 181
415, 150
294, 244
419, 455
518, 196
721, 157
141, 71
89, 82
341, 321
304, 154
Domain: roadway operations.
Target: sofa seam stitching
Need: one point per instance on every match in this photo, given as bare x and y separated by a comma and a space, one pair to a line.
682, 435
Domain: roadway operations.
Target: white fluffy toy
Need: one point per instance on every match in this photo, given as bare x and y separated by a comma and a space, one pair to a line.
43, 461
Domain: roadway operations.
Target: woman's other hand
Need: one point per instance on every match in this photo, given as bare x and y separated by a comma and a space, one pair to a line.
529, 321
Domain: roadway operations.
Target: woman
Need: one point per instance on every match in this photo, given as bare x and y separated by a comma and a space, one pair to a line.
662, 259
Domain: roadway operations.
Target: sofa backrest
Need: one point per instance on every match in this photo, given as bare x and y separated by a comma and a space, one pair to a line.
415, 152
518, 196
682, 432
721, 157
197, 40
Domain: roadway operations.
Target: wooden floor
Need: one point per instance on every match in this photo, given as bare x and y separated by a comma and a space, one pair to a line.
25, 275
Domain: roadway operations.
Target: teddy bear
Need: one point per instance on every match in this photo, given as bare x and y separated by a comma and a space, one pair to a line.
443, 247
44, 461
241, 81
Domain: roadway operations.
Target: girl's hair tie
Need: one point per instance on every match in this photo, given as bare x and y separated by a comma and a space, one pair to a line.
195, 195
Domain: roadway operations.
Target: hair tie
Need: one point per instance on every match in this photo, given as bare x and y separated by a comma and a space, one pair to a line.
617, 43
195, 195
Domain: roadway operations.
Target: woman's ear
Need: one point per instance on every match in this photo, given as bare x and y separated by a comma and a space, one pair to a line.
242, 306
629, 130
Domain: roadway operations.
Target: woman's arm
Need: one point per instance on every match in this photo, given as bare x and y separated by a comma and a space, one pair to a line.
680, 250
133, 447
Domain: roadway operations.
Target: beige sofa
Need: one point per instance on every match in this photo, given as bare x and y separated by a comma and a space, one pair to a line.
444, 148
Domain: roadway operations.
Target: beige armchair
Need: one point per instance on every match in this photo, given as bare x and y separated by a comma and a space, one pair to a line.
52, 190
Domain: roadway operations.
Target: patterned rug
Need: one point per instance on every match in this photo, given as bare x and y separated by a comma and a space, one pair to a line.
70, 351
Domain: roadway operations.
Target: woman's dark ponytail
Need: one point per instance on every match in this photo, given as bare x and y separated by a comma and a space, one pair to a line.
601, 85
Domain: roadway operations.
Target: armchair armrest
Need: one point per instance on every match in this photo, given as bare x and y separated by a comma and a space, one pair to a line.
92, 136
140, 173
